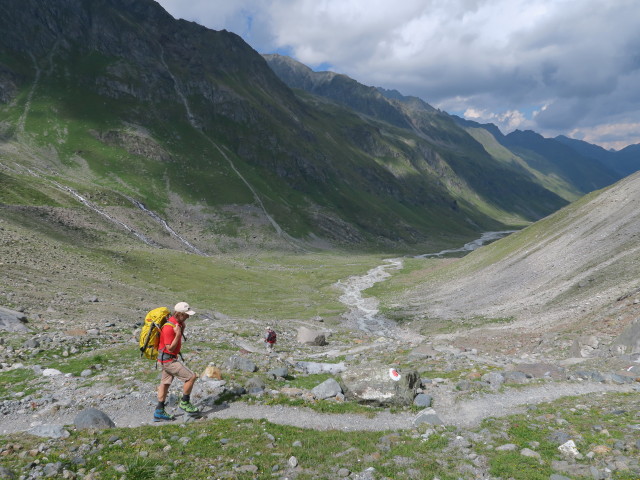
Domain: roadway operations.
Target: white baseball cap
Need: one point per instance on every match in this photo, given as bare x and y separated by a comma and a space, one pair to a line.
183, 307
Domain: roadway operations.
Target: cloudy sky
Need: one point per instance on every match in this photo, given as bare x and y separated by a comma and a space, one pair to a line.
568, 67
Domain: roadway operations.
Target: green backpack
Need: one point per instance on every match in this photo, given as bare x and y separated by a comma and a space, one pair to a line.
150, 334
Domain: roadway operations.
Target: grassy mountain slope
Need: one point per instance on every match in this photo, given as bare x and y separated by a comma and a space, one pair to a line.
117, 100
565, 273
548, 155
493, 187
624, 162
556, 166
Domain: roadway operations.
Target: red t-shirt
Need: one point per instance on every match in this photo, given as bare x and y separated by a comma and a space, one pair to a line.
167, 334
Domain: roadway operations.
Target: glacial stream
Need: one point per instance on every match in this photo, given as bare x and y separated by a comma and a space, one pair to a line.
364, 311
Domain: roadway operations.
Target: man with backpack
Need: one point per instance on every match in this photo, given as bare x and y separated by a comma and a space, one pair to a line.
169, 347
270, 339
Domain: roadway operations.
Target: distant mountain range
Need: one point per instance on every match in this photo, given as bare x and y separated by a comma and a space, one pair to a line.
116, 102
568, 167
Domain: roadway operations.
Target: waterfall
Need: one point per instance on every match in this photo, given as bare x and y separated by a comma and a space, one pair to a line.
166, 226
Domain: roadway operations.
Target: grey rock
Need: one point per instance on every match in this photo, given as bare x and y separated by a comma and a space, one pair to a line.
585, 347
461, 442
621, 379
92, 418
572, 469
282, 372
507, 447
516, 377
7, 474
428, 415
248, 469
313, 368
422, 400
629, 339
555, 476
374, 384
12, 321
527, 452
542, 370
49, 431
423, 351
327, 389
464, 385
307, 336
558, 437
368, 474
237, 362
255, 385
494, 379
293, 462
52, 469
32, 343
591, 376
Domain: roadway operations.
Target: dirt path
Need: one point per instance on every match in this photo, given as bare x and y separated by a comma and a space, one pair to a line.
136, 410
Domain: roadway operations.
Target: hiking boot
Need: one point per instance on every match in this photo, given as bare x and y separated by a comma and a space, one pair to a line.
162, 416
188, 407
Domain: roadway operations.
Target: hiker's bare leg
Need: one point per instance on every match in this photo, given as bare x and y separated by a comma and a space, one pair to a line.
188, 385
163, 389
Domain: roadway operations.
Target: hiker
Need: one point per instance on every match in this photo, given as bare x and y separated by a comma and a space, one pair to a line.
169, 349
270, 339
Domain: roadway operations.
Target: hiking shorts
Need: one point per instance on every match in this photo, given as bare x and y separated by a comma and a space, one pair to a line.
173, 370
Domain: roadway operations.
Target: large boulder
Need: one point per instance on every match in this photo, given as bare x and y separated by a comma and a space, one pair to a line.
313, 368
12, 321
93, 419
237, 362
307, 336
327, 389
49, 431
380, 385
628, 342
586, 346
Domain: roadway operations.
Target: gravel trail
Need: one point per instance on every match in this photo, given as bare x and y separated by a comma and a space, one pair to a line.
136, 410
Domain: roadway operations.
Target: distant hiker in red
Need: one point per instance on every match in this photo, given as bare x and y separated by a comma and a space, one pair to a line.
169, 349
270, 339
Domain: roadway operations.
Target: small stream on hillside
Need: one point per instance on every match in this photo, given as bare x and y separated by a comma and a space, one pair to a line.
363, 311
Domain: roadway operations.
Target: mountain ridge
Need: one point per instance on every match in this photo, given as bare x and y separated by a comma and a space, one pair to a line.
116, 96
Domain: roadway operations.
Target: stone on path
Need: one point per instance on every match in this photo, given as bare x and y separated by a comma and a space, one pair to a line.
92, 418
428, 415
422, 400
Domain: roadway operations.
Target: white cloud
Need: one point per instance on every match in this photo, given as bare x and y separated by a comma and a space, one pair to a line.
578, 57
506, 121
615, 136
